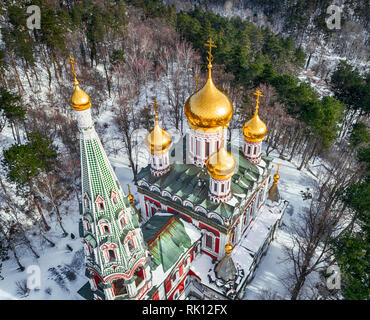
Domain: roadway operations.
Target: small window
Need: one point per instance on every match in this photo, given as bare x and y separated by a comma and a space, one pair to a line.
215, 186
106, 229
100, 206
208, 241
249, 150
130, 245
119, 288
139, 276
174, 277
255, 150
112, 255
122, 222
222, 188
207, 148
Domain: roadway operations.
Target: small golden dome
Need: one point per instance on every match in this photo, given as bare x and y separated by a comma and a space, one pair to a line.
255, 130
221, 164
276, 175
208, 108
80, 100
228, 246
158, 140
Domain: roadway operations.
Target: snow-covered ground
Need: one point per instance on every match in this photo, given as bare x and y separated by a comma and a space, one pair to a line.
269, 274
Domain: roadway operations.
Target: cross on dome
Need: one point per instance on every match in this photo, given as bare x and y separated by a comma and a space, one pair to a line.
210, 44
73, 63
155, 109
258, 94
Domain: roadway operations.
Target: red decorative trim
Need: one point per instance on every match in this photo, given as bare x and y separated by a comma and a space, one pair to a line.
204, 226
211, 255
128, 275
217, 245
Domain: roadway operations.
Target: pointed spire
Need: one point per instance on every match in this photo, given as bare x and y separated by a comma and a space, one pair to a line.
274, 194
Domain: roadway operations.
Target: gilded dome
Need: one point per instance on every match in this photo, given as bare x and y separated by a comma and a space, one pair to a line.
80, 100
158, 140
208, 108
221, 164
255, 130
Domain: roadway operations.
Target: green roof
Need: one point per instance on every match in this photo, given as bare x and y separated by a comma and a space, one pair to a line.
182, 181
167, 240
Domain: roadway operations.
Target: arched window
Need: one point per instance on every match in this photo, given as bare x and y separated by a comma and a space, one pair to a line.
114, 197
119, 288
86, 202
249, 150
209, 241
130, 245
112, 255
139, 276
106, 229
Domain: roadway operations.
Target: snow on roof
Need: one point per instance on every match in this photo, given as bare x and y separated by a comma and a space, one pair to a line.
256, 235
203, 267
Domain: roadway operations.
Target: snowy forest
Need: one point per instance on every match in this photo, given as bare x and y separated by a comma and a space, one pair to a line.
316, 104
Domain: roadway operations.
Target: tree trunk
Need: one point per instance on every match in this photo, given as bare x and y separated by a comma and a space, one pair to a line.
19, 82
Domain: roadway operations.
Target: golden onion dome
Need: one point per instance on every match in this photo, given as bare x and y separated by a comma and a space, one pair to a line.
221, 164
158, 140
208, 108
255, 130
229, 247
276, 175
80, 100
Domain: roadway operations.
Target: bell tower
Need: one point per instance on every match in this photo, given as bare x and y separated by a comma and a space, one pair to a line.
116, 255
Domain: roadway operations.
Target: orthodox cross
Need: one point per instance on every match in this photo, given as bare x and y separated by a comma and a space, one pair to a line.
258, 94
155, 109
210, 44
73, 63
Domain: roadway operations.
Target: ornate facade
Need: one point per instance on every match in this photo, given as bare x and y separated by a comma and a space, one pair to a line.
189, 211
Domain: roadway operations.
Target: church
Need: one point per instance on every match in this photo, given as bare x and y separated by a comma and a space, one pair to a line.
208, 209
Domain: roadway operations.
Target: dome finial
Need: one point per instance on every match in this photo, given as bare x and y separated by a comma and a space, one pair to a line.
80, 100
73, 63
210, 44
155, 109
228, 246
258, 94
130, 196
276, 175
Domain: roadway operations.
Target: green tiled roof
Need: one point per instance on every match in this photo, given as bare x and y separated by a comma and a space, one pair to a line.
166, 247
182, 181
